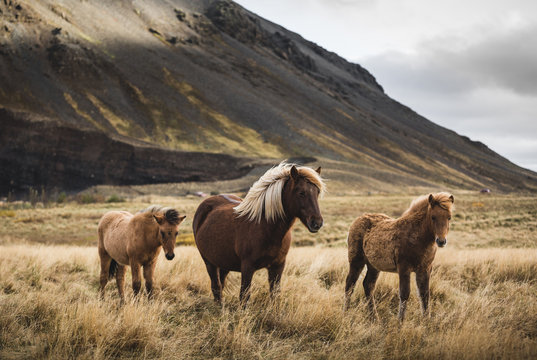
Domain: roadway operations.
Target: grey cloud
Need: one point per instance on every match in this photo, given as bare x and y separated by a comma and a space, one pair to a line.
417, 72
345, 3
486, 90
506, 61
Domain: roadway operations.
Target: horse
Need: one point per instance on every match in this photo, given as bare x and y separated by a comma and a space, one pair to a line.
402, 245
135, 240
232, 234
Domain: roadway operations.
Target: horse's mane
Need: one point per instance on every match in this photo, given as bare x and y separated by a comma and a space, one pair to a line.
266, 193
421, 203
171, 215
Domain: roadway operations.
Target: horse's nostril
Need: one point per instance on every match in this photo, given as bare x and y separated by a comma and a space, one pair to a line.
313, 225
441, 242
316, 224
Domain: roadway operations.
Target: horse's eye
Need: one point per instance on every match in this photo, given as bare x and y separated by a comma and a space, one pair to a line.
449, 218
434, 218
302, 194
162, 233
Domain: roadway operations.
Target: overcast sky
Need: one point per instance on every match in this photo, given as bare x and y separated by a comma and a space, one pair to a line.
470, 66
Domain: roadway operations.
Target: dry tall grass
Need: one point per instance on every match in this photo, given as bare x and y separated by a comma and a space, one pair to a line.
484, 305
484, 291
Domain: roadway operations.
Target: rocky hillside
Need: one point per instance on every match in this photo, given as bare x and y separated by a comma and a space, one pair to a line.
96, 92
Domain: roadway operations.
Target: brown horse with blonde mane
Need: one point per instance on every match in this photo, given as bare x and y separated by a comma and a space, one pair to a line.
236, 235
403, 245
135, 240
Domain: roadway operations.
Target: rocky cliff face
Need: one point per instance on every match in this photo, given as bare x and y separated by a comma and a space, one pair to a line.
39, 152
205, 77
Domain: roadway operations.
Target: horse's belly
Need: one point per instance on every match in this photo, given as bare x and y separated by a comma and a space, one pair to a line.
380, 254
115, 232
216, 245
115, 244
117, 251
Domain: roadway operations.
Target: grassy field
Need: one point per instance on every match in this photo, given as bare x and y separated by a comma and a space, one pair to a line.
484, 291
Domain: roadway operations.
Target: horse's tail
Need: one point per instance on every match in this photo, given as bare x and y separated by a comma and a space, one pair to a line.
356, 234
113, 269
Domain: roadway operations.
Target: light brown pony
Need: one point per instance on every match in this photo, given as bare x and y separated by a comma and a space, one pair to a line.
135, 240
401, 245
236, 235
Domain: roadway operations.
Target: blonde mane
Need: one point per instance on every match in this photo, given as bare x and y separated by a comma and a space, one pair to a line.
265, 195
421, 203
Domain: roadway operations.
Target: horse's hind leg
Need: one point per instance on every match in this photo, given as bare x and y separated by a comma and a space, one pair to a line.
106, 260
216, 285
369, 288
120, 281
223, 275
355, 269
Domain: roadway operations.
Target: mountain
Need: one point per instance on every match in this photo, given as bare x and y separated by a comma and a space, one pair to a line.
133, 92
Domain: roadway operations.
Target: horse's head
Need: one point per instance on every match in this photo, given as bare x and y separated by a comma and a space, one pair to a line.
302, 199
168, 224
439, 216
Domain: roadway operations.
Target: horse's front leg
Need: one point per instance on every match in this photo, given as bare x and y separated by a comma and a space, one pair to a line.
274, 277
422, 282
136, 269
149, 270
247, 272
404, 291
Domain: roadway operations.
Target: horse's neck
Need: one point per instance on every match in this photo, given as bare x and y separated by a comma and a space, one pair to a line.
149, 234
277, 230
420, 225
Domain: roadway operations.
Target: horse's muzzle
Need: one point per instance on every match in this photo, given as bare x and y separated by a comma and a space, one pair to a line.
441, 242
170, 256
314, 225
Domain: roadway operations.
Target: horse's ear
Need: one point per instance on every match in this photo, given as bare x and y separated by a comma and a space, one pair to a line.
431, 200
159, 219
181, 218
294, 173
318, 170
452, 198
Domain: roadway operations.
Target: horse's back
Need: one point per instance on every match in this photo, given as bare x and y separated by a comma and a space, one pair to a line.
213, 230
209, 205
112, 218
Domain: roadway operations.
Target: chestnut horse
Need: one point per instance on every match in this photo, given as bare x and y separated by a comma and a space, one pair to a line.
236, 235
401, 245
135, 240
